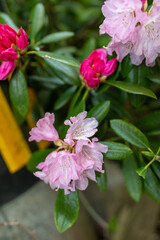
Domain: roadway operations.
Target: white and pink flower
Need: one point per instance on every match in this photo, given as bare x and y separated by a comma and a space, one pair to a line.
77, 157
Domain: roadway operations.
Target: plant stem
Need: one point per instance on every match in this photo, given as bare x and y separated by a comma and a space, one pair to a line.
85, 94
93, 213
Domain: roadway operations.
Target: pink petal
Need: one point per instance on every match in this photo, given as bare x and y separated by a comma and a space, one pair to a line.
6, 68
8, 55
23, 39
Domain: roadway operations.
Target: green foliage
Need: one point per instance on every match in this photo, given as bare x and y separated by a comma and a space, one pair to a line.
19, 95
132, 180
36, 158
102, 180
66, 210
117, 151
100, 111
55, 37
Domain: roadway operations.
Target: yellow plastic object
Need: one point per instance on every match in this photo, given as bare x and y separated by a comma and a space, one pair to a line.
13, 147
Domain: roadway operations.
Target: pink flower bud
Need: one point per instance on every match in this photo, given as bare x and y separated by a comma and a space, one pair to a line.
11, 48
8, 55
6, 68
95, 67
110, 67
23, 39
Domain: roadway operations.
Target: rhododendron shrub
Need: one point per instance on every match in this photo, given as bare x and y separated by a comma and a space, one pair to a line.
105, 85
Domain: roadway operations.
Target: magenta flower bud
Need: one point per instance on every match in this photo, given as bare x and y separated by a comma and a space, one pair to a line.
23, 39
11, 48
95, 67
110, 67
6, 68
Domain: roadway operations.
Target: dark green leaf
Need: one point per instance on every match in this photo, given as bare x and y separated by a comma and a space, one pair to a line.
79, 107
55, 37
142, 171
36, 158
132, 180
45, 82
88, 47
156, 168
64, 98
19, 93
100, 111
138, 75
130, 133
66, 210
102, 180
126, 66
152, 186
117, 151
58, 58
74, 100
132, 88
37, 20
5, 19
150, 121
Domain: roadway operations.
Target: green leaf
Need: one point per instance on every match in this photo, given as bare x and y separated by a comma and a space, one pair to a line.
45, 82
66, 210
152, 186
37, 17
148, 154
132, 180
117, 151
57, 57
36, 158
150, 121
79, 107
142, 171
75, 99
88, 47
102, 180
132, 88
19, 93
138, 75
156, 168
100, 111
130, 133
5, 19
55, 37
64, 98
126, 66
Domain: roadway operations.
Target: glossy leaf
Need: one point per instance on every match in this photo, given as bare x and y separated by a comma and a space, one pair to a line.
152, 186
55, 37
116, 151
64, 98
37, 17
5, 19
57, 57
132, 180
148, 154
100, 111
19, 93
156, 168
66, 210
130, 133
126, 66
142, 171
36, 158
138, 75
132, 88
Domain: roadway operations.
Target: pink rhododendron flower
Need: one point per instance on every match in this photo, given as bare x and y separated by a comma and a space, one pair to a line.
12, 45
45, 129
80, 128
77, 157
95, 68
121, 17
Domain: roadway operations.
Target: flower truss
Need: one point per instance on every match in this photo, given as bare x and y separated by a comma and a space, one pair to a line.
133, 30
76, 158
96, 68
12, 46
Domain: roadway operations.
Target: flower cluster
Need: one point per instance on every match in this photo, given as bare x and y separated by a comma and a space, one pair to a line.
96, 68
12, 46
76, 158
133, 30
